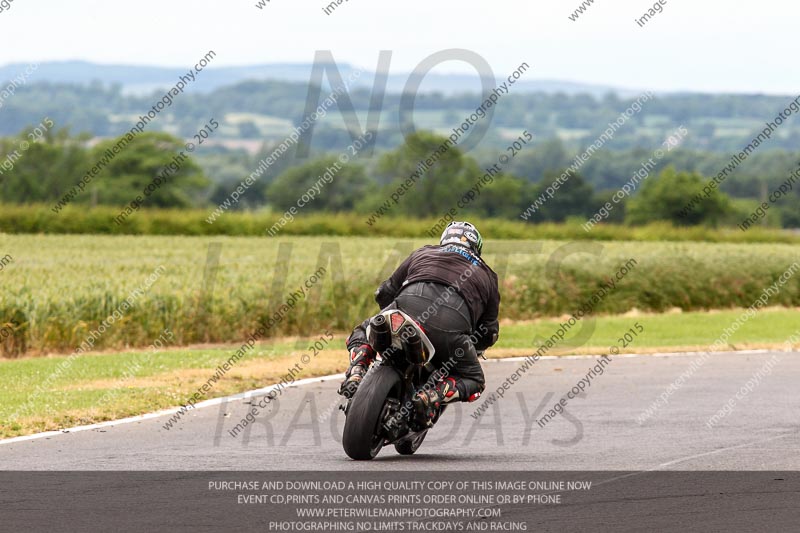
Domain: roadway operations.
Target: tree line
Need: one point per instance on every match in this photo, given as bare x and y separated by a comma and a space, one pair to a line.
54, 164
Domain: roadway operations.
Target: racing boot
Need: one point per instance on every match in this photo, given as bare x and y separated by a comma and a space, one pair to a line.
428, 401
360, 359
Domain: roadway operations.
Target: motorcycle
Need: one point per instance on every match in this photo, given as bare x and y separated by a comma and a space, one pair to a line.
381, 411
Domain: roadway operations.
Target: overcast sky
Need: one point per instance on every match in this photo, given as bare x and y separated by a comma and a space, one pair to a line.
700, 45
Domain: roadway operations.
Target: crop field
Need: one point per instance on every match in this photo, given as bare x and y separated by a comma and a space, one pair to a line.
57, 292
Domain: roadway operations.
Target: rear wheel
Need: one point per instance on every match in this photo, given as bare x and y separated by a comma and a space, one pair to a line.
410, 444
363, 438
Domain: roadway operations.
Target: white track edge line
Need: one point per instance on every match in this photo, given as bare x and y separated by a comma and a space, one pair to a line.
147, 416
308, 381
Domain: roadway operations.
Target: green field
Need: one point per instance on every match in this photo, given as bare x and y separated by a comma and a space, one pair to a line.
108, 386
58, 290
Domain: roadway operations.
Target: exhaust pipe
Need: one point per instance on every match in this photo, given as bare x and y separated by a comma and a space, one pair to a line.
414, 350
380, 333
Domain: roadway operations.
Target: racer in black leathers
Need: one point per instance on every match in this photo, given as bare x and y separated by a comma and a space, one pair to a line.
453, 294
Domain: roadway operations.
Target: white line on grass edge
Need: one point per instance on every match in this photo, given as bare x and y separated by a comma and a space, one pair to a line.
308, 381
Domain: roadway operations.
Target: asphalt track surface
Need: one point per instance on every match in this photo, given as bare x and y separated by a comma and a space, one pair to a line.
301, 430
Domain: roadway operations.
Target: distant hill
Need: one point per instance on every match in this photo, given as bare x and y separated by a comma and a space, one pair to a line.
106, 100
143, 79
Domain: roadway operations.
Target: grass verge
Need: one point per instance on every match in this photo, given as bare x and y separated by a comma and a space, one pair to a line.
109, 386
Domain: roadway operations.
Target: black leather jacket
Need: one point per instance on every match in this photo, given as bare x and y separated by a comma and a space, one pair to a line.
457, 267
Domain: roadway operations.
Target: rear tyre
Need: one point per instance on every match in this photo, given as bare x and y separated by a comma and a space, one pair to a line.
362, 439
410, 445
